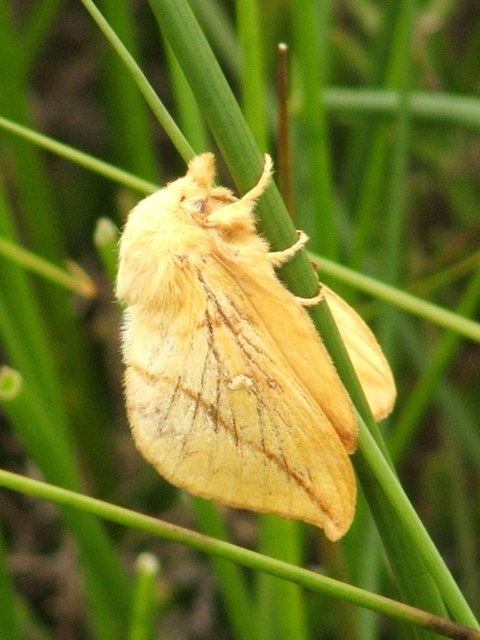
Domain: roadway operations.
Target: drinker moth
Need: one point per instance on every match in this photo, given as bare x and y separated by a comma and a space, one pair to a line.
230, 392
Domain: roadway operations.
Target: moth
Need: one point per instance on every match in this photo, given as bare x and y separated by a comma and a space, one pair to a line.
230, 392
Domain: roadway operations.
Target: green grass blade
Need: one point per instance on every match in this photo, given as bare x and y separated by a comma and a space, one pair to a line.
394, 220
31, 352
78, 157
311, 25
437, 107
254, 105
46, 269
216, 24
374, 154
235, 592
144, 86
106, 238
9, 611
463, 507
281, 611
127, 113
189, 116
144, 598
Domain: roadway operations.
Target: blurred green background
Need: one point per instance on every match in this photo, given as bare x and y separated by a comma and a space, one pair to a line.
385, 124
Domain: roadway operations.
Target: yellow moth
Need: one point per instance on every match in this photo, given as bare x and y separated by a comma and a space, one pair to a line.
230, 392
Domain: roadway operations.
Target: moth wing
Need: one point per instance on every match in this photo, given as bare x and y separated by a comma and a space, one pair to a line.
366, 354
313, 363
295, 335
215, 408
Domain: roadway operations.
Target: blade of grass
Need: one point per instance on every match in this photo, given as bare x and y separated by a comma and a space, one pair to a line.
53, 456
375, 152
394, 221
106, 238
432, 107
127, 112
442, 277
360, 143
9, 611
107, 587
31, 180
31, 353
281, 611
311, 25
78, 157
403, 535
42, 363
404, 567
189, 116
218, 27
45, 268
456, 110
144, 598
289, 620
438, 107
234, 589
363, 543
413, 583
372, 572
463, 508
210, 89
142, 83
450, 397
249, 28
417, 535
42, 427
412, 577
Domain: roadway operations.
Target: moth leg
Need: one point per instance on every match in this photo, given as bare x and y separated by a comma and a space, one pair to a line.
242, 209
277, 258
311, 302
230, 216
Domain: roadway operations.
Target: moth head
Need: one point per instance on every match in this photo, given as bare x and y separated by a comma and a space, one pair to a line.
167, 223
178, 202
198, 194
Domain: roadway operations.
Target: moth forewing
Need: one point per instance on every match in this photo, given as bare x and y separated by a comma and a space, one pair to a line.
230, 392
305, 354
223, 417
